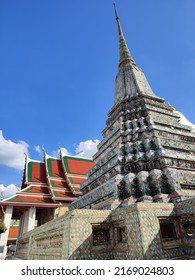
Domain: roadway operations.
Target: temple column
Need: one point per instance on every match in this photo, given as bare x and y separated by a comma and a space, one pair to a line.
29, 220
4, 236
25, 224
21, 225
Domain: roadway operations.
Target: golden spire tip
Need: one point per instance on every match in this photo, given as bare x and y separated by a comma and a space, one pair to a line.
117, 17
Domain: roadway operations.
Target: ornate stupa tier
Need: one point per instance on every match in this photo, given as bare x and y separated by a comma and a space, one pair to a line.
130, 80
147, 152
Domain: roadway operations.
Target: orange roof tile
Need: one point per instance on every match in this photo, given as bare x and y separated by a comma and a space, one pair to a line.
36, 189
76, 180
58, 184
31, 199
36, 172
77, 165
54, 168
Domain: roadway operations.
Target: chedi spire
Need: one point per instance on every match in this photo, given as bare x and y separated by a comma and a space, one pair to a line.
130, 80
125, 56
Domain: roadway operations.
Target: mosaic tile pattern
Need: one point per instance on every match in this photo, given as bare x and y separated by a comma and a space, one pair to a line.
71, 235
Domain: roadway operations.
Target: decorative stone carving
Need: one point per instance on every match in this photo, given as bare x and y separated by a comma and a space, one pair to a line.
142, 183
49, 242
155, 182
170, 181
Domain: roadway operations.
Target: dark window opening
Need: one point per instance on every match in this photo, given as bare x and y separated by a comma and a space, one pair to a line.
168, 232
190, 230
121, 235
101, 236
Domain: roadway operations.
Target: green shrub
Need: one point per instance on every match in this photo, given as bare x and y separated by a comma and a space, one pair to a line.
2, 227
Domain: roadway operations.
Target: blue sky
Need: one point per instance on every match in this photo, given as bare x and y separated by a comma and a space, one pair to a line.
59, 60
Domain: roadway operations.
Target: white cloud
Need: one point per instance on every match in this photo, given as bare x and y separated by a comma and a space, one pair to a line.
38, 149
84, 149
56, 153
8, 191
87, 148
65, 151
11, 153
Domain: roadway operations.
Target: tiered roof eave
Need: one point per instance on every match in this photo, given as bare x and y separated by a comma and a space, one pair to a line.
52, 182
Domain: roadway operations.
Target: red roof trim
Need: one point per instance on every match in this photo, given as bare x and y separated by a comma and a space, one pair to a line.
43, 205
35, 184
60, 179
34, 195
60, 189
76, 175
64, 199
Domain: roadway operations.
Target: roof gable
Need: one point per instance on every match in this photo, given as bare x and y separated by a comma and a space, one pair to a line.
54, 167
75, 165
76, 170
35, 172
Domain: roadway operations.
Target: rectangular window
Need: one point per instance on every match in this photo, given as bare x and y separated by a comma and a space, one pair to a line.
189, 229
121, 235
101, 236
167, 230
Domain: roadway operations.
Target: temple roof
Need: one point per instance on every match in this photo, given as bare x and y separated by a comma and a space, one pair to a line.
51, 182
76, 170
34, 172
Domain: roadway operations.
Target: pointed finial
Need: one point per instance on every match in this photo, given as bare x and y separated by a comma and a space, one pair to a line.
60, 152
118, 21
25, 157
125, 56
43, 148
117, 17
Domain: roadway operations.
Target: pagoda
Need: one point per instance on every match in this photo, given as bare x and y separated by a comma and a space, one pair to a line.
47, 190
148, 149
138, 199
